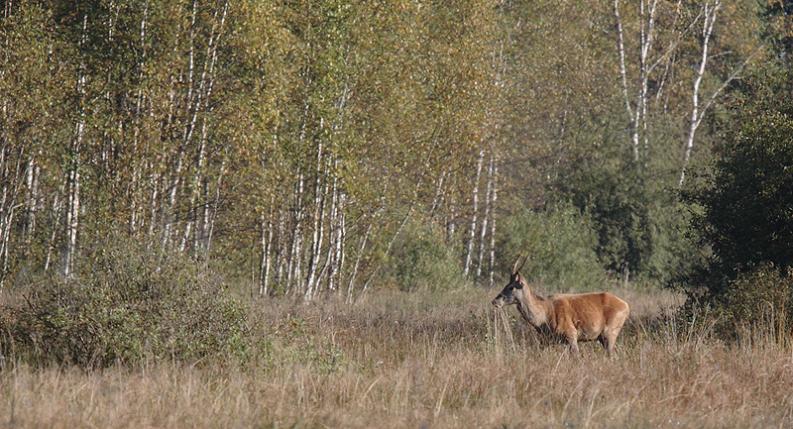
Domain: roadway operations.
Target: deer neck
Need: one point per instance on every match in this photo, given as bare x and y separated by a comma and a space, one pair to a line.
534, 308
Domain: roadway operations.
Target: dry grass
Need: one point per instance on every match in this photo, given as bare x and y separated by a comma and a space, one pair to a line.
398, 360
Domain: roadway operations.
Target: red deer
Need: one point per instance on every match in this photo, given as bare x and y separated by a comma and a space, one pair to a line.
573, 317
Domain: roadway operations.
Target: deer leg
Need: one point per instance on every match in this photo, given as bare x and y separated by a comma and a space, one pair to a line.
611, 340
603, 341
571, 334
613, 329
574, 346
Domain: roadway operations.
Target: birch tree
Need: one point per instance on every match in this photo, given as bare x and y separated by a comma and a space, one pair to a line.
709, 13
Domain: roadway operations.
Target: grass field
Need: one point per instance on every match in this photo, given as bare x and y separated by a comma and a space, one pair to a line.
427, 360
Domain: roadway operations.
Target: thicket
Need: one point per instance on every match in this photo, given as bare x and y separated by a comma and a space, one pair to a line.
422, 260
560, 244
743, 210
130, 305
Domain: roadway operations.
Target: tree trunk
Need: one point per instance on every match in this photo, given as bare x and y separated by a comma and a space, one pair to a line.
293, 270
493, 223
267, 239
31, 202
624, 78
483, 229
475, 211
339, 257
11, 179
709, 20
637, 114
57, 206
316, 239
357, 264
280, 254
210, 228
73, 174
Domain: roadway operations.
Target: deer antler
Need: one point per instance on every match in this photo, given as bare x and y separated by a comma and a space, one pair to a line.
516, 268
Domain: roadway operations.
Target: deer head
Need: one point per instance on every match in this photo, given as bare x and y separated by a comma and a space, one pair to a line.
508, 295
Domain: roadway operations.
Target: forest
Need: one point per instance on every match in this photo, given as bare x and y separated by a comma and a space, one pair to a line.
274, 201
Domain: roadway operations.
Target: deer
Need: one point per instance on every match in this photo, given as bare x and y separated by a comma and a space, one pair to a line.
572, 317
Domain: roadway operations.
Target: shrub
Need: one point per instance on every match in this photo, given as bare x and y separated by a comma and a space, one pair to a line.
421, 260
129, 306
762, 297
560, 244
744, 211
747, 209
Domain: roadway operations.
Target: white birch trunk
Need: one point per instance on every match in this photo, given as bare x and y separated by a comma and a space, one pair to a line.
357, 264
483, 229
266, 243
280, 258
624, 78
57, 206
333, 233
637, 115
203, 95
191, 106
31, 201
73, 175
137, 220
709, 20
451, 221
202, 227
475, 211
339, 258
493, 223
316, 239
8, 201
154, 208
210, 229
293, 270
438, 198
647, 38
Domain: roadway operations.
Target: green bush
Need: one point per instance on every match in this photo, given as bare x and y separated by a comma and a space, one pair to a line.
756, 301
744, 210
758, 297
560, 244
747, 209
127, 306
421, 260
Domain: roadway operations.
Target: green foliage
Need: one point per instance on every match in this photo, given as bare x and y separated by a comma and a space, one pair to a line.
641, 227
230, 131
610, 189
126, 307
759, 297
746, 208
421, 260
674, 244
743, 211
560, 245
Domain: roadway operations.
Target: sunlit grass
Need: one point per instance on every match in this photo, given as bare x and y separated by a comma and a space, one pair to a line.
434, 360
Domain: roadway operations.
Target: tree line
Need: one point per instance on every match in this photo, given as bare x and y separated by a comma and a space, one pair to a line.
294, 142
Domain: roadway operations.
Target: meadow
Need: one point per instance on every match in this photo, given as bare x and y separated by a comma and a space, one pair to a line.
434, 360
190, 189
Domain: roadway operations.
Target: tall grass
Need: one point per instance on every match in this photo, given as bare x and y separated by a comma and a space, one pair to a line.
426, 360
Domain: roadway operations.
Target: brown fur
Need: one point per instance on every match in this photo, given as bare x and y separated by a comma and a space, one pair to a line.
573, 317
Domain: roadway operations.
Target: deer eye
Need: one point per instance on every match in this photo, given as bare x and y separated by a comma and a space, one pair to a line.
518, 286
